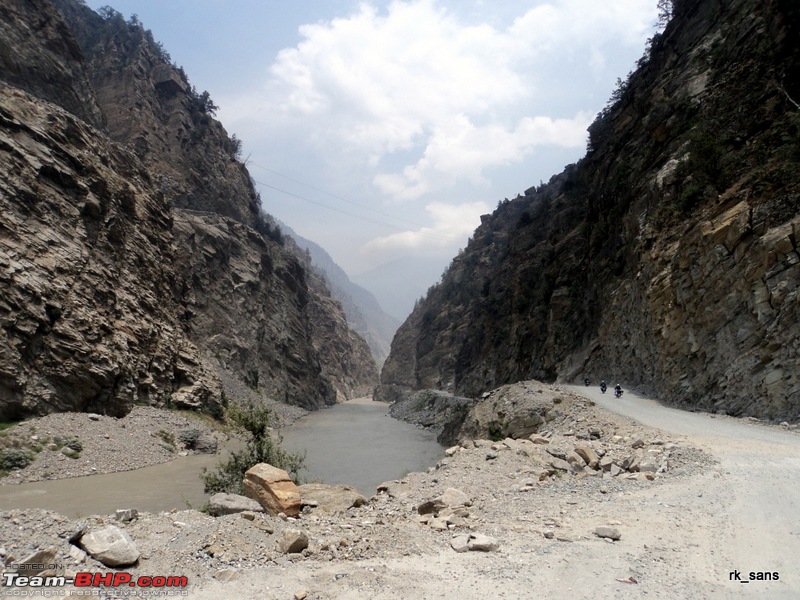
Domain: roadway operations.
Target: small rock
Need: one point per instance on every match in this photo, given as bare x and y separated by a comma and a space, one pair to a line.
227, 504
606, 531
482, 543
549, 534
93, 417
491, 455
639, 443
226, 575
77, 554
588, 455
455, 497
34, 563
293, 541
460, 543
126, 515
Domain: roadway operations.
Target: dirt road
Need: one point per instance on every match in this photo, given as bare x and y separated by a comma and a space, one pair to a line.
756, 493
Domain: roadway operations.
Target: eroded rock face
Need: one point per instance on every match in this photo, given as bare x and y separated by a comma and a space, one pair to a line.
667, 258
134, 259
87, 312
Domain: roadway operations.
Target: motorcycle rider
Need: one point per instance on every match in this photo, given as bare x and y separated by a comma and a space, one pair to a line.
603, 386
618, 390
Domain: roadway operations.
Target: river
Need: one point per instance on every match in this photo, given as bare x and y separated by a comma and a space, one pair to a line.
355, 443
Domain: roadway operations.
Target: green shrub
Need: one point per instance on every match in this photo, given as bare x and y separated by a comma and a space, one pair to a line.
254, 423
74, 444
166, 436
189, 437
14, 459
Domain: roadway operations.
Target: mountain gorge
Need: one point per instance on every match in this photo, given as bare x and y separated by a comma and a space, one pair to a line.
667, 258
363, 311
135, 262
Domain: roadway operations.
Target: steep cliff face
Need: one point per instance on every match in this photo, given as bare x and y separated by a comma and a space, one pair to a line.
667, 257
87, 313
364, 313
134, 261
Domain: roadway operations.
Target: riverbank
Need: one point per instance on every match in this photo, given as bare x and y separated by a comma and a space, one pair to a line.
542, 519
65, 445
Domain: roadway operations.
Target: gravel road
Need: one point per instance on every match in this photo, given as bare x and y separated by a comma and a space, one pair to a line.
756, 524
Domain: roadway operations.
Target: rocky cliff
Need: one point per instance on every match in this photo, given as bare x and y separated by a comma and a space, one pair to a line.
667, 257
364, 314
135, 262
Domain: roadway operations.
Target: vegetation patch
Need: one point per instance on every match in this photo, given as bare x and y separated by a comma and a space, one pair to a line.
253, 423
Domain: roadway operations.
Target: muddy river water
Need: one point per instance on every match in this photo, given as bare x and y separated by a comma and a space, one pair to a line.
355, 443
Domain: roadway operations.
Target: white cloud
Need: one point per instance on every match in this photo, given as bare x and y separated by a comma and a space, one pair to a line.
423, 100
452, 224
459, 150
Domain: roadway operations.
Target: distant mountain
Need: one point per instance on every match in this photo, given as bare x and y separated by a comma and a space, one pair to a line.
399, 283
364, 313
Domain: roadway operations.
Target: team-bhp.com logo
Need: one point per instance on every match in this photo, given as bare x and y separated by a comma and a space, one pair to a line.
89, 580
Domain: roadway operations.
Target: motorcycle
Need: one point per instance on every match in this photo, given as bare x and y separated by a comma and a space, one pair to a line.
603, 388
617, 393
586, 381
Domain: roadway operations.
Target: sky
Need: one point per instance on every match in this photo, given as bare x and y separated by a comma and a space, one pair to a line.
383, 130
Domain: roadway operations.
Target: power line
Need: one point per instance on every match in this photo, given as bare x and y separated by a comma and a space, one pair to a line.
353, 215
332, 195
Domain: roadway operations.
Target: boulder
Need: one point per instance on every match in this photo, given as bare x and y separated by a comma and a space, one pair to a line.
331, 498
273, 489
292, 541
228, 504
111, 546
206, 443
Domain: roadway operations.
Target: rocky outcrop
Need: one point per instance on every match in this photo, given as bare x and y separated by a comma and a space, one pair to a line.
135, 263
667, 257
87, 310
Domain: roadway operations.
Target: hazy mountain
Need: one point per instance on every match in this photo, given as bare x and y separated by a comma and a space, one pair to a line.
399, 283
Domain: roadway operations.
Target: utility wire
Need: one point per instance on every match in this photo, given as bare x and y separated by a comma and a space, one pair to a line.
355, 216
332, 195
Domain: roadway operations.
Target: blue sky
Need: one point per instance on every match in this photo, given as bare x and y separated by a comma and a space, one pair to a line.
383, 130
